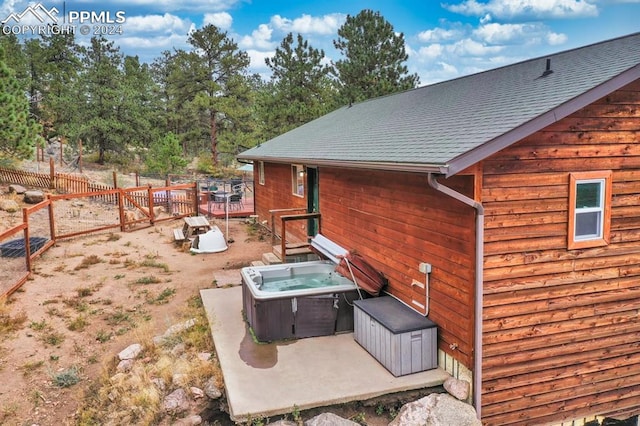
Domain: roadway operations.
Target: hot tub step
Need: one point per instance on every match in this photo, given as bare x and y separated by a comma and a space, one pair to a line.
270, 259
257, 263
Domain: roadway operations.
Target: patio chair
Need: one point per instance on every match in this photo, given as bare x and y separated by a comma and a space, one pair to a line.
235, 201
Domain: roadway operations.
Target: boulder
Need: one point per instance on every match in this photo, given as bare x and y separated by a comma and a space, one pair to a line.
329, 419
125, 365
457, 388
438, 409
9, 206
17, 189
192, 420
33, 197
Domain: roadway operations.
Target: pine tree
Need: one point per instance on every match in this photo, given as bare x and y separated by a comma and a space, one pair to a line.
300, 88
18, 132
374, 58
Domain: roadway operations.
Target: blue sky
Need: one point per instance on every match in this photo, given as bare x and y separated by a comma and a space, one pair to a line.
444, 39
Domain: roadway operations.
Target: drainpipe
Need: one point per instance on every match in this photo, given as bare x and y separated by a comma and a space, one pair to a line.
477, 373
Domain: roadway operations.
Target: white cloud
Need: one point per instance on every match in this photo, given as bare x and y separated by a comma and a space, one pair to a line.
430, 52
509, 9
221, 20
469, 47
166, 23
307, 24
259, 39
438, 34
521, 34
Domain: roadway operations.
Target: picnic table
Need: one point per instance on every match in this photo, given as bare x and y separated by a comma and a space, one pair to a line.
193, 225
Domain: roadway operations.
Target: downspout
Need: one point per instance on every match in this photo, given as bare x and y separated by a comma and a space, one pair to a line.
477, 373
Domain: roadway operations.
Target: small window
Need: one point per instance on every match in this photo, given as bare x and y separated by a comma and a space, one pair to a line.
297, 179
589, 209
261, 172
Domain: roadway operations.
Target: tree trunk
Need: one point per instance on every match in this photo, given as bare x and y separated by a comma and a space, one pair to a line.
214, 138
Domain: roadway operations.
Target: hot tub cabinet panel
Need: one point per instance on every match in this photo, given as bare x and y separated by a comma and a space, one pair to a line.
296, 313
402, 340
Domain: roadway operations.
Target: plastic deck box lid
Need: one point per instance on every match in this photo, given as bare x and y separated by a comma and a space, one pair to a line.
393, 314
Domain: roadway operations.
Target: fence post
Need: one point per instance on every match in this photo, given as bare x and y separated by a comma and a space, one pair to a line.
52, 225
27, 248
121, 209
150, 194
137, 179
52, 174
196, 201
115, 179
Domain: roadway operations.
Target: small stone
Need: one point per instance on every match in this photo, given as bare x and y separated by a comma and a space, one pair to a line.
211, 390
176, 402
197, 393
457, 388
17, 189
125, 365
130, 352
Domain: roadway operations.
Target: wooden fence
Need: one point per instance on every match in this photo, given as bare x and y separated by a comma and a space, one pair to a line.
70, 215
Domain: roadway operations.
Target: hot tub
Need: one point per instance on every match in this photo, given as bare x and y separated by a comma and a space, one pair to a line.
297, 300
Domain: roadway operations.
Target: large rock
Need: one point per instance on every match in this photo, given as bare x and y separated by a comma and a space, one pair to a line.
438, 409
33, 197
9, 206
329, 419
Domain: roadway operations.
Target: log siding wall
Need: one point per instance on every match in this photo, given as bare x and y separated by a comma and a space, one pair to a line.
561, 327
397, 221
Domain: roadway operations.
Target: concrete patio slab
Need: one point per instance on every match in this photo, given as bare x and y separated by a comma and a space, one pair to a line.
271, 379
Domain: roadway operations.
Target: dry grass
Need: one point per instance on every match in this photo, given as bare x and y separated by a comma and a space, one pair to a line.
135, 397
10, 323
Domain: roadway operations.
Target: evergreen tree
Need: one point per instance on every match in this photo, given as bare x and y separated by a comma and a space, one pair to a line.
301, 89
100, 115
165, 156
19, 133
374, 57
217, 70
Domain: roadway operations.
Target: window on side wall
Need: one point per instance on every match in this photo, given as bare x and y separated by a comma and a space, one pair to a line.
589, 209
297, 180
261, 172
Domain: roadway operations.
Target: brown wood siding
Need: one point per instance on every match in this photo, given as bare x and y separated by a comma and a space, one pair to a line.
396, 221
277, 193
561, 328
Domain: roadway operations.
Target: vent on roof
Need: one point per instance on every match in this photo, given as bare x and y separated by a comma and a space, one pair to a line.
548, 69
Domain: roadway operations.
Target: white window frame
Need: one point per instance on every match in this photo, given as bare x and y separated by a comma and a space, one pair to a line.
601, 235
298, 183
261, 172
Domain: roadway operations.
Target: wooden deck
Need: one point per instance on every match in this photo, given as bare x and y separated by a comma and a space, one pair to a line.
217, 210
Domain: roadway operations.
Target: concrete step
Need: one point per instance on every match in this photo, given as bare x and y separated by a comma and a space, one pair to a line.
257, 263
270, 259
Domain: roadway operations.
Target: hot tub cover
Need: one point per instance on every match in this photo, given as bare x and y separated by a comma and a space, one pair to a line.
211, 241
366, 276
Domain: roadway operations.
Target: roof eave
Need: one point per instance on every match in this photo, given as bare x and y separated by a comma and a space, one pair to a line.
352, 164
485, 150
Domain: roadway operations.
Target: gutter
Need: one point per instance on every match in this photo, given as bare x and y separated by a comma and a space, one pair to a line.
477, 368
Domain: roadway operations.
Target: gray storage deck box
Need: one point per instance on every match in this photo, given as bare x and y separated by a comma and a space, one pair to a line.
402, 340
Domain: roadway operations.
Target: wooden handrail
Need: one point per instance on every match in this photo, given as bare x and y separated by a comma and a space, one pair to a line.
287, 218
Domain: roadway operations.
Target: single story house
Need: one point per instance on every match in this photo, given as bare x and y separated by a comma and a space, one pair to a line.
520, 187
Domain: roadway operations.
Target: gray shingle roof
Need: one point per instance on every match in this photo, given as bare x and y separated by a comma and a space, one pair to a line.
451, 125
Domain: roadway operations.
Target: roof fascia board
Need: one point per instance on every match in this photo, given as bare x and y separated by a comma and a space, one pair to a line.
370, 165
486, 150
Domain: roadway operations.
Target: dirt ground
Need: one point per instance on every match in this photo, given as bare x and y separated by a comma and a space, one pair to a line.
92, 296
